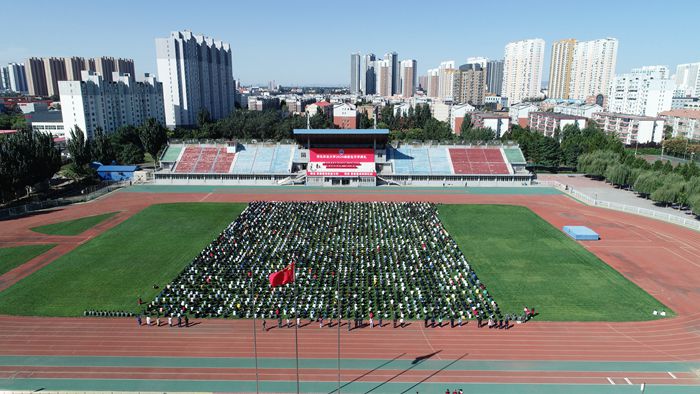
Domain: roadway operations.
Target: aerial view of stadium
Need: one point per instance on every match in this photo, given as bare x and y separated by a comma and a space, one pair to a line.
466, 229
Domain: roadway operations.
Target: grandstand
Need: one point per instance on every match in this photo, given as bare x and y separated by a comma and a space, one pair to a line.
342, 158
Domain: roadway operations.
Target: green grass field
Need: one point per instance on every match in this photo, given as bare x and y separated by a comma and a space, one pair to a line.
523, 260
73, 227
110, 271
13, 257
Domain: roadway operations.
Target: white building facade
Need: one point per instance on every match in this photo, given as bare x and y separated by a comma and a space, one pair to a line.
522, 70
196, 72
688, 79
93, 103
631, 129
592, 67
645, 91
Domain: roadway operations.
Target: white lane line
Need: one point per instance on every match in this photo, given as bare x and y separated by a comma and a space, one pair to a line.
611, 381
628, 381
672, 375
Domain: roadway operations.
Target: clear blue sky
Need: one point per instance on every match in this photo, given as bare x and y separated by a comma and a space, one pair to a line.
310, 42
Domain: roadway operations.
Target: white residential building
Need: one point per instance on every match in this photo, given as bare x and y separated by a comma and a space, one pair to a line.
446, 75
409, 77
645, 91
631, 129
457, 114
583, 110
684, 122
480, 60
520, 113
688, 78
522, 70
93, 102
197, 74
592, 68
441, 111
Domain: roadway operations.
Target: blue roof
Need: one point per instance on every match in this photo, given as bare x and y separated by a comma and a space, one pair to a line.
340, 131
117, 168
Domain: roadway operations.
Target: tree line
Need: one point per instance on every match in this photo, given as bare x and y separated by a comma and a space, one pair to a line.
661, 181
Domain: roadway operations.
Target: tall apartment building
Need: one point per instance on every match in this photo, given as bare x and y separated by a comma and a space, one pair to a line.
36, 77
74, 67
409, 77
684, 122
196, 73
107, 66
469, 84
368, 79
55, 70
592, 68
433, 83
446, 74
522, 69
645, 91
4, 78
355, 73
494, 77
383, 77
94, 102
480, 60
688, 78
15, 78
393, 59
560, 68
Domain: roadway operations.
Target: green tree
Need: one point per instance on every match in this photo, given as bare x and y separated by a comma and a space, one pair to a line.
102, 150
648, 182
203, 117
153, 137
78, 147
618, 174
548, 152
478, 134
26, 159
694, 202
436, 130
670, 191
466, 125
130, 154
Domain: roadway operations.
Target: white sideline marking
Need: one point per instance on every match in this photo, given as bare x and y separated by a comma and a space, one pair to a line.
611, 381
628, 381
672, 375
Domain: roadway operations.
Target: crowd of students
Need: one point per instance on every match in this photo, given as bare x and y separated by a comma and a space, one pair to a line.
393, 261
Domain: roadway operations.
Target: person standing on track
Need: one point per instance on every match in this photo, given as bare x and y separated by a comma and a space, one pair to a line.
187, 321
264, 324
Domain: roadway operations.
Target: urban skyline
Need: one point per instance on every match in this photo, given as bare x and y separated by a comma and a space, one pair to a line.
306, 67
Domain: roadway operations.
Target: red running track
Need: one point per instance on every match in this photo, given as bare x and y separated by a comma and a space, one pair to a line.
662, 258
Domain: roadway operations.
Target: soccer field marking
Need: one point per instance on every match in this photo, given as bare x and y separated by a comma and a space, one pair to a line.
611, 381
672, 375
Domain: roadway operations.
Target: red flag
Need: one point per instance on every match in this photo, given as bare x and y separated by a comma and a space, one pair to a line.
282, 277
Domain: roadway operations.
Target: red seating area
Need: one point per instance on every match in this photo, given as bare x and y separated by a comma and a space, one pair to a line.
206, 160
223, 162
478, 161
189, 159
209, 159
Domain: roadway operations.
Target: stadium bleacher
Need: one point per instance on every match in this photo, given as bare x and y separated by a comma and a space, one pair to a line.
420, 161
223, 161
189, 159
439, 161
245, 159
263, 160
206, 160
172, 153
478, 161
514, 155
283, 159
